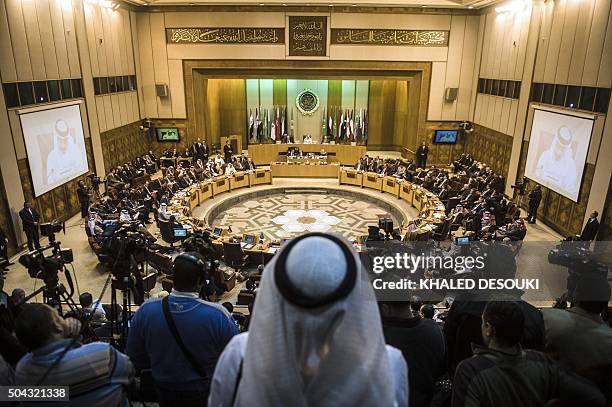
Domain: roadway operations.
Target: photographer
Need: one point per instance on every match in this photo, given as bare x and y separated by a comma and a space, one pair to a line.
96, 373
83, 196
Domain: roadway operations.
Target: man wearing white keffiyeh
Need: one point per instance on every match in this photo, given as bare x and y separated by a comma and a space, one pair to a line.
315, 336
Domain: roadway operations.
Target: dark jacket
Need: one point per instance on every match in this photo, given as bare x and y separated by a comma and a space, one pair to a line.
589, 232
535, 197
29, 219
524, 378
422, 344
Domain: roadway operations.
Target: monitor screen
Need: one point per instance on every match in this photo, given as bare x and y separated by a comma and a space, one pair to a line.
462, 241
217, 231
180, 232
445, 136
558, 148
55, 145
249, 239
168, 134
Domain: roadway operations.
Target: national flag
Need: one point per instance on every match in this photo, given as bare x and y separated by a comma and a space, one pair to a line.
351, 127
283, 118
251, 122
273, 128
365, 126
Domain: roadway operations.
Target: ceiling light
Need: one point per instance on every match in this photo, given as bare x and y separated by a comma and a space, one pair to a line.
513, 7
470, 7
354, 5
330, 5
424, 6
285, 4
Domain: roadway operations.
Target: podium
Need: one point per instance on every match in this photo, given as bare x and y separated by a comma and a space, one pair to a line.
235, 142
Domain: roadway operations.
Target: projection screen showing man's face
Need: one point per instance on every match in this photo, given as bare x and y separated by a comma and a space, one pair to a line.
558, 147
56, 146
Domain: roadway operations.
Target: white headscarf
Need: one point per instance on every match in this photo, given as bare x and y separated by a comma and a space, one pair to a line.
315, 355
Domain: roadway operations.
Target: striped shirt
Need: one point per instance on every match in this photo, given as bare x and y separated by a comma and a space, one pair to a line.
96, 373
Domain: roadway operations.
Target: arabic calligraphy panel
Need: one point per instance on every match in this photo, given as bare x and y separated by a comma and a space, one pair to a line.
308, 36
371, 36
225, 35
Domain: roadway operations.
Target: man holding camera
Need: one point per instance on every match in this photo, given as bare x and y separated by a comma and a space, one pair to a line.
30, 221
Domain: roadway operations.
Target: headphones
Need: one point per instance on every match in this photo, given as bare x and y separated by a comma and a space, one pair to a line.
194, 261
294, 294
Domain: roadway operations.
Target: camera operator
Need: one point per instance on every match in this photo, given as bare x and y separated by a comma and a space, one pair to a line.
29, 219
96, 373
10, 349
83, 196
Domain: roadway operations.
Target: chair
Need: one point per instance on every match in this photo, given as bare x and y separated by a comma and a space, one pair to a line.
167, 234
444, 231
233, 255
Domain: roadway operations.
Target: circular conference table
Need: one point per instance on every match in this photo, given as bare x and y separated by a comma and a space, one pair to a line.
432, 212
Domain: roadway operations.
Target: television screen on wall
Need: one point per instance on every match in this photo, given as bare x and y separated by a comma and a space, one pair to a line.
55, 144
170, 134
445, 136
558, 147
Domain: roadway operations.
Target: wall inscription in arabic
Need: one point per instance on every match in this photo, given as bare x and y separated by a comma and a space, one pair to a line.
308, 36
370, 36
227, 35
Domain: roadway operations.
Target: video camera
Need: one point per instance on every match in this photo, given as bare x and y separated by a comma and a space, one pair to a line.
95, 180
521, 186
44, 267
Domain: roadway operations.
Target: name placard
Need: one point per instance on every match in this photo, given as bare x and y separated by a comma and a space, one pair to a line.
372, 36
225, 35
308, 36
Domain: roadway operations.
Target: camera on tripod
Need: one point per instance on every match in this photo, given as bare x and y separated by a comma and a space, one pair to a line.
95, 180
521, 186
44, 267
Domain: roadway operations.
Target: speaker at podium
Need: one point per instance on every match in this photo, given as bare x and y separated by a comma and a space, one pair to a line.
235, 142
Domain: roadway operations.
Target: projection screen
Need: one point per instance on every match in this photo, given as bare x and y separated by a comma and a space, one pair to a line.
55, 144
558, 147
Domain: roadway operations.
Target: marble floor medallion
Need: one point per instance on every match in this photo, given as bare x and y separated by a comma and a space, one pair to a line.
281, 216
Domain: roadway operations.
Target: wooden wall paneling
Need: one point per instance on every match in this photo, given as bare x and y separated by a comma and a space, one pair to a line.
552, 56
478, 109
59, 38
512, 55
400, 111
71, 40
123, 144
122, 43
98, 41
496, 45
436, 92
147, 79
572, 11
123, 108
43, 12
108, 111
604, 79
468, 62
6, 222
521, 44
505, 115
486, 44
375, 112
212, 111
595, 47
100, 110
177, 89
581, 38
137, 71
108, 42
233, 116
135, 108
34, 42
477, 67
91, 39
506, 49
453, 66
490, 106
497, 113
543, 40
114, 100
19, 40
8, 72
160, 56
129, 48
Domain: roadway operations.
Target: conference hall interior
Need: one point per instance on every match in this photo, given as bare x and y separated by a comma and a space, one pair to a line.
306, 202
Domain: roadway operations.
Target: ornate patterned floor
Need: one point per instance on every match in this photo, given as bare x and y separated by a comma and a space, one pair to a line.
281, 216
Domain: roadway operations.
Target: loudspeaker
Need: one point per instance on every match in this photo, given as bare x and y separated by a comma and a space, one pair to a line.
161, 90
450, 94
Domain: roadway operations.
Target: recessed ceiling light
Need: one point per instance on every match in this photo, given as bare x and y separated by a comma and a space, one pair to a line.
285, 4
470, 7
423, 6
330, 5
